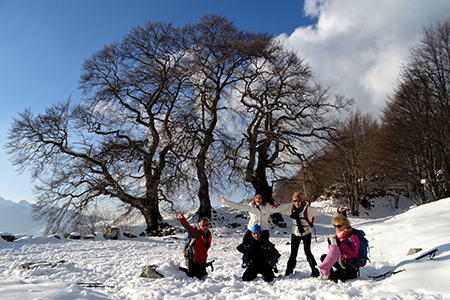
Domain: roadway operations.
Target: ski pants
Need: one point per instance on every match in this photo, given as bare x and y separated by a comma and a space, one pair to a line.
349, 272
295, 243
253, 270
195, 270
334, 254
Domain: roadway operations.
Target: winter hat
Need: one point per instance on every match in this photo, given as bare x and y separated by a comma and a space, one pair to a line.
256, 227
298, 196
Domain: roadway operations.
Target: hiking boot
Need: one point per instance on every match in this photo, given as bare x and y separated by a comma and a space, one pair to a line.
333, 278
315, 273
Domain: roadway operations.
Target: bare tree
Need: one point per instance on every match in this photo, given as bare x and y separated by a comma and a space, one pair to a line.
346, 163
218, 52
313, 178
284, 114
118, 143
352, 158
418, 113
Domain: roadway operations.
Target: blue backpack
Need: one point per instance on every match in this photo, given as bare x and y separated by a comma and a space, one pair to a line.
363, 252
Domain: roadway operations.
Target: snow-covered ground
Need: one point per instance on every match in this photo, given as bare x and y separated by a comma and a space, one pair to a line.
118, 264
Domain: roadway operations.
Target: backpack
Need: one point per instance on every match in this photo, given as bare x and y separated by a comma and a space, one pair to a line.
363, 252
189, 244
310, 223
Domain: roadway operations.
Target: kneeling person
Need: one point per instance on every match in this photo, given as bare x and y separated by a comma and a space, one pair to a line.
198, 249
261, 256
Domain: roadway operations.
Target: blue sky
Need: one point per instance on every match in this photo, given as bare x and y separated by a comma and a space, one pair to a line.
355, 47
44, 43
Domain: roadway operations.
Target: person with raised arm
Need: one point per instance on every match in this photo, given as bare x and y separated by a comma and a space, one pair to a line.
197, 251
259, 211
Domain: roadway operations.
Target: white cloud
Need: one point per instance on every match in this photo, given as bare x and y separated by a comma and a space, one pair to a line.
357, 47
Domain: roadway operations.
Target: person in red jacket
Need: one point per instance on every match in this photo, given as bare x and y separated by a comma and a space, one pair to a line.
197, 252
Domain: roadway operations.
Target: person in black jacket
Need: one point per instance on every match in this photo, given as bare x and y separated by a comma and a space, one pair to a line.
261, 255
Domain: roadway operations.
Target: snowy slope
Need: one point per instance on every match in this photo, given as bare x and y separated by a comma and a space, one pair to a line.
119, 263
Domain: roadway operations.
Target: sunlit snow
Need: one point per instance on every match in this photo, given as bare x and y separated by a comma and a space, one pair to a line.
117, 264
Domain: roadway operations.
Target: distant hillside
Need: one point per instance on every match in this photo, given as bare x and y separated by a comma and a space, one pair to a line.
15, 218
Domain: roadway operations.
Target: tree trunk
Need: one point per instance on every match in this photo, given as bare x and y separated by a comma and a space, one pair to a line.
261, 186
259, 178
203, 193
150, 205
353, 201
151, 215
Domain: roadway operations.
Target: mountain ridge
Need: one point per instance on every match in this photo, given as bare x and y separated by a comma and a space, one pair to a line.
16, 218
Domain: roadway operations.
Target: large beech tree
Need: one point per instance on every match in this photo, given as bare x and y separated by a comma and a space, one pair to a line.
120, 141
150, 112
218, 59
284, 114
171, 111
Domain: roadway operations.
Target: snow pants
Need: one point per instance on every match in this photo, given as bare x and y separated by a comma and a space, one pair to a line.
334, 253
295, 243
253, 270
195, 270
349, 272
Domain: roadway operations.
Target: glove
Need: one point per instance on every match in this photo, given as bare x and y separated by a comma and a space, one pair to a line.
273, 264
274, 268
245, 261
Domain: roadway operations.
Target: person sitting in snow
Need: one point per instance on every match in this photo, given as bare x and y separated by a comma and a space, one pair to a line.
342, 254
259, 212
198, 253
302, 214
261, 254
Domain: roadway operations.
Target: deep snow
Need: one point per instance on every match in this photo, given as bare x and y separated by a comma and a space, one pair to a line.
118, 264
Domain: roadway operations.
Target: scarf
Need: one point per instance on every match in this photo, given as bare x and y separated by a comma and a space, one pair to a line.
296, 216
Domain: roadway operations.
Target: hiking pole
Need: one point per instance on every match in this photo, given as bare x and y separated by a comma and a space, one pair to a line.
210, 264
431, 253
